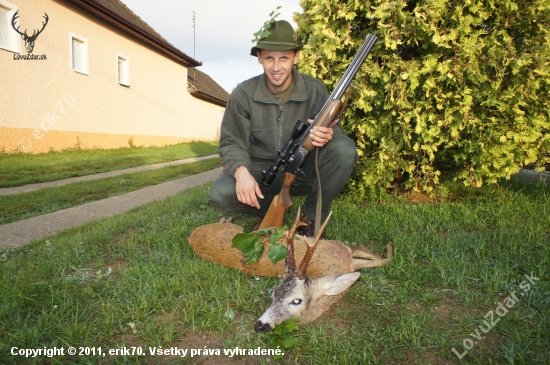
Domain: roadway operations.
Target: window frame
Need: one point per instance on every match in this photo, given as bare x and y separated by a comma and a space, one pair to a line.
84, 54
14, 38
125, 79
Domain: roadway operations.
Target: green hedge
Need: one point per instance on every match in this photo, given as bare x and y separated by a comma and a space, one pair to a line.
459, 86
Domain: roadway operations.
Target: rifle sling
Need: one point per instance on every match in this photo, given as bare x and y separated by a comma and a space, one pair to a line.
318, 209
342, 108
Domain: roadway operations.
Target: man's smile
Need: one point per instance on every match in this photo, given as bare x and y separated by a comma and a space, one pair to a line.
277, 76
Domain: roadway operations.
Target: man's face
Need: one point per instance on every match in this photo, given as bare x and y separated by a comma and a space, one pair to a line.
278, 68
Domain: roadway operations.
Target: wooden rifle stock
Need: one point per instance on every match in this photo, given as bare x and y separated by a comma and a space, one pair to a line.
324, 120
276, 213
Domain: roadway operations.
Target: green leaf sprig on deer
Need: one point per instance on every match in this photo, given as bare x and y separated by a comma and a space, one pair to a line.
252, 246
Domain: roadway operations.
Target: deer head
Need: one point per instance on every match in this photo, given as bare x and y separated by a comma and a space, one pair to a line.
29, 40
298, 295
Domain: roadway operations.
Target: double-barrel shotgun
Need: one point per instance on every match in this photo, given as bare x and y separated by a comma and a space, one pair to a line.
293, 155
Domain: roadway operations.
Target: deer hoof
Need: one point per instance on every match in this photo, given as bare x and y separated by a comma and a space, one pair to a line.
226, 220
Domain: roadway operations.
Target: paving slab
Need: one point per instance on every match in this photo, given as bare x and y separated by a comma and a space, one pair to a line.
23, 232
101, 175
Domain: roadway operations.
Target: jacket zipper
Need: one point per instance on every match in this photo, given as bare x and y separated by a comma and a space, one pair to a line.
280, 120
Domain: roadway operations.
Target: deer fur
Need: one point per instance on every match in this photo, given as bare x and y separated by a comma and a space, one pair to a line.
331, 269
213, 242
305, 298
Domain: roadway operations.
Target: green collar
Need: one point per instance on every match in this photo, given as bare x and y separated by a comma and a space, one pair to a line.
263, 94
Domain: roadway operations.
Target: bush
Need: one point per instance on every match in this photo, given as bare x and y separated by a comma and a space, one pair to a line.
460, 86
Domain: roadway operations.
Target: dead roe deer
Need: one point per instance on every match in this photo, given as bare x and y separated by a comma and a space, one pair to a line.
331, 269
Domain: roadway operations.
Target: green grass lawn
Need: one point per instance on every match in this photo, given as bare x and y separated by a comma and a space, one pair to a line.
26, 205
134, 281
20, 169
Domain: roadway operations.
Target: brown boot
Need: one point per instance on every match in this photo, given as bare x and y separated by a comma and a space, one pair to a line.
309, 229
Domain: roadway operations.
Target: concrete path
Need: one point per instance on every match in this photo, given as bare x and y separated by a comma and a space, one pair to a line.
102, 175
23, 232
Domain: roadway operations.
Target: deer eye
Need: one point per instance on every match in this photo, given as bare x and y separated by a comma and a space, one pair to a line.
296, 301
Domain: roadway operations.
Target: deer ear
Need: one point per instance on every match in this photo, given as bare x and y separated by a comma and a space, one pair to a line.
334, 285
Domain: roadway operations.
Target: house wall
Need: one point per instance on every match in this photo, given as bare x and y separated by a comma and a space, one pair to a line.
46, 105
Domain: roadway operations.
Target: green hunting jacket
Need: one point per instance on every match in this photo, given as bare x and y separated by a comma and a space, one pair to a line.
255, 126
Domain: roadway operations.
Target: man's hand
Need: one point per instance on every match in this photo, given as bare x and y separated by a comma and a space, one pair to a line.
320, 135
247, 188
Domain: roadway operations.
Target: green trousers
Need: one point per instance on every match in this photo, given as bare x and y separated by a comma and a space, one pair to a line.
336, 161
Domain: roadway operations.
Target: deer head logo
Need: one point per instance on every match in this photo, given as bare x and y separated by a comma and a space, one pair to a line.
29, 40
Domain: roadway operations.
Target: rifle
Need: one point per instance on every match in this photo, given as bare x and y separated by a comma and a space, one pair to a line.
294, 154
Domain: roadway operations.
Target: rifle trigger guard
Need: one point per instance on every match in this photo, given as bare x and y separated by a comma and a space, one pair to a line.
300, 176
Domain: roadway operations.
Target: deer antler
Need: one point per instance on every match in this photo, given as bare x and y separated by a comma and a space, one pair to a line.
311, 248
290, 262
43, 26
25, 35
15, 16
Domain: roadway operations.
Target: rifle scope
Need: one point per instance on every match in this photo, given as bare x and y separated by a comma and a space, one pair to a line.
284, 153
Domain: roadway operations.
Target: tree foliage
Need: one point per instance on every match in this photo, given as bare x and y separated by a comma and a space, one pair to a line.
459, 86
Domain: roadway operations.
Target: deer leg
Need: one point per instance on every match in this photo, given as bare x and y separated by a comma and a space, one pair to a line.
363, 253
226, 220
358, 264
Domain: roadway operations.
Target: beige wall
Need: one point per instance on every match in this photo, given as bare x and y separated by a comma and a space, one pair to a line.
44, 104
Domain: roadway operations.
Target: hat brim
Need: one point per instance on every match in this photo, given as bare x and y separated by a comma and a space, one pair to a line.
275, 46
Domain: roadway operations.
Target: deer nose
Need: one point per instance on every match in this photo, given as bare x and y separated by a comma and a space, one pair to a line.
262, 327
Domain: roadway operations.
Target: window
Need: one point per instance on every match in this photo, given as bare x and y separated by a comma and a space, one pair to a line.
9, 39
123, 70
78, 53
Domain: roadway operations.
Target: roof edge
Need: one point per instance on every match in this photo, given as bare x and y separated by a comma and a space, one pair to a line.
111, 17
206, 97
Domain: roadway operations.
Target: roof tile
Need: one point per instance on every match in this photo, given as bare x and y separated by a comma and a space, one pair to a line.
200, 83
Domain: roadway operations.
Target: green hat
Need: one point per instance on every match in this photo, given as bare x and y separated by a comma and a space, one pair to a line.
281, 38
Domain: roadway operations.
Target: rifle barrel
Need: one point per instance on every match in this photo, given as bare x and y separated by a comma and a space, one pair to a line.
354, 67
346, 79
